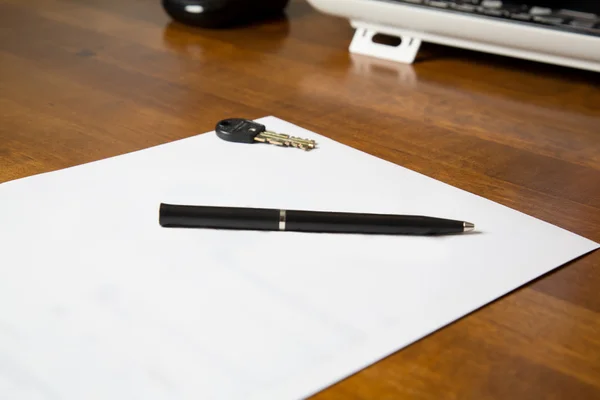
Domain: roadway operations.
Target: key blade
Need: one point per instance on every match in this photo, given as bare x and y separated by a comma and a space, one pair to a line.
281, 139
270, 140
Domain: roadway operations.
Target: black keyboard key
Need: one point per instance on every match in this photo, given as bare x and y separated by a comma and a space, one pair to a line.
464, 7
439, 4
581, 23
522, 16
493, 11
540, 11
496, 4
577, 14
549, 20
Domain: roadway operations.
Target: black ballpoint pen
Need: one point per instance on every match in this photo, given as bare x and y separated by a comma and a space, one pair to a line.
193, 216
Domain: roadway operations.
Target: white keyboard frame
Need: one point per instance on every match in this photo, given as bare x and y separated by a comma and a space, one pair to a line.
415, 25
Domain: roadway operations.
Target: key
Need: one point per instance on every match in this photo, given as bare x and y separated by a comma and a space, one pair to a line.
245, 131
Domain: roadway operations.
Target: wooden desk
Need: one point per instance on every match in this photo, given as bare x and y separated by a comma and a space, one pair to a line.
81, 80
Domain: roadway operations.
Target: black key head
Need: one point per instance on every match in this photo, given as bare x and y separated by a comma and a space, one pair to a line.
239, 130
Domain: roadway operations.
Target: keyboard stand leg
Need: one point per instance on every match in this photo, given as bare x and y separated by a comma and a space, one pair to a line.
362, 43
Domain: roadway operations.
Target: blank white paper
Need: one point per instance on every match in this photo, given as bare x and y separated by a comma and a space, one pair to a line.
97, 301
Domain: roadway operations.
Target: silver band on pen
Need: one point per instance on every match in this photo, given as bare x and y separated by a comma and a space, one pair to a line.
282, 220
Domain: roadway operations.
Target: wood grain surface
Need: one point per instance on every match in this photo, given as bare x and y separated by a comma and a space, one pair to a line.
82, 80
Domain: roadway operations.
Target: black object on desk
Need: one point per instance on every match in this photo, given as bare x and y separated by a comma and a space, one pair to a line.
189, 216
222, 13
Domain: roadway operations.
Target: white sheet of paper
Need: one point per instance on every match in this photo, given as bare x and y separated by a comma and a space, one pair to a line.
97, 301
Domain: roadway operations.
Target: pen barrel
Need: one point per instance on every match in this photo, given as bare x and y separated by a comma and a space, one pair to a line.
218, 217
338, 222
187, 216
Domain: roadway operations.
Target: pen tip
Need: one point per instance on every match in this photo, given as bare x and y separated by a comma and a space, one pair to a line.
468, 227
